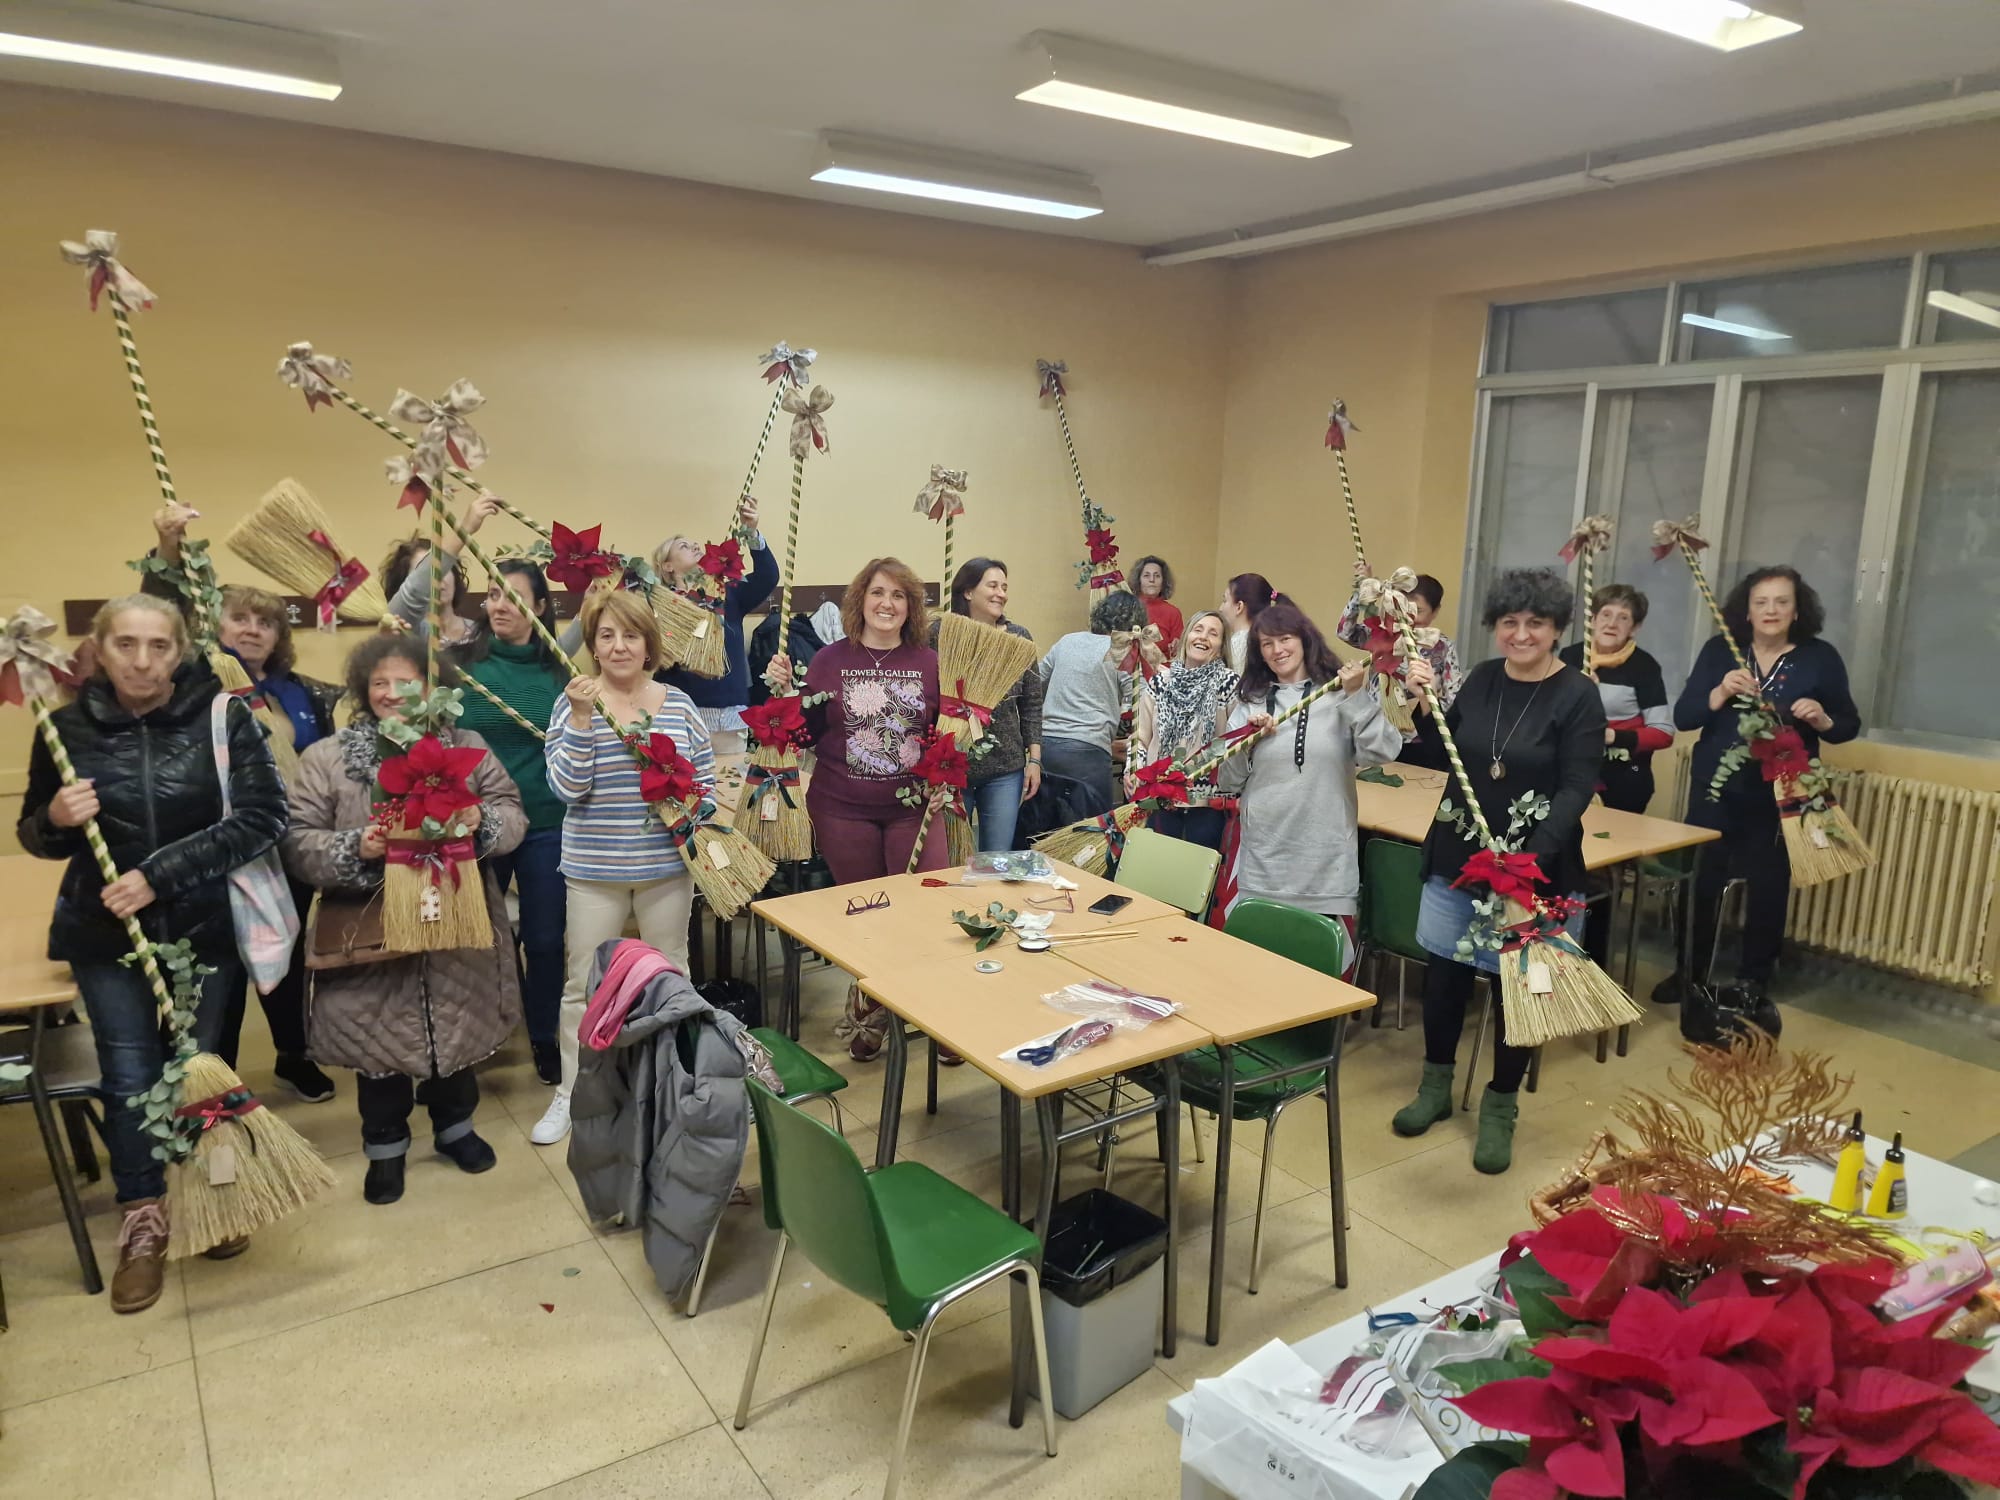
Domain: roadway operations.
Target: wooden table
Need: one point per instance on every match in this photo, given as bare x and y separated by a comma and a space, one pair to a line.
1238, 992
979, 1016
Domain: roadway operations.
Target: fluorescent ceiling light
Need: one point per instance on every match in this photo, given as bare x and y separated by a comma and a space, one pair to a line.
1722, 24
1741, 330
169, 44
955, 177
1980, 311
1094, 79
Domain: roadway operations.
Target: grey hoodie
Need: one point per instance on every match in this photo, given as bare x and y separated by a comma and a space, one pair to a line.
652, 1142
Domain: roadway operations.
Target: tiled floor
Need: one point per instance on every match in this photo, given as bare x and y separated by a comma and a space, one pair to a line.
480, 1340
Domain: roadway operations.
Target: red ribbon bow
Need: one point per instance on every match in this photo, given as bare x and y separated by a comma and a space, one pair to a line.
1510, 875
579, 558
776, 723
1338, 426
1384, 649
1103, 546
429, 780
437, 858
347, 577
1160, 784
958, 706
723, 560
665, 775
1783, 756
216, 1108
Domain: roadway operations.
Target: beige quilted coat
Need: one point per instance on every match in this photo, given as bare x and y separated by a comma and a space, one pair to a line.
429, 1014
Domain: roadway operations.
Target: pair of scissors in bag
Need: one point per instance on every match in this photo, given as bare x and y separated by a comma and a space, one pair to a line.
1075, 1039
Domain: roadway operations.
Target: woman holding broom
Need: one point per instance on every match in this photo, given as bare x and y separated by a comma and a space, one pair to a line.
1776, 619
1180, 713
411, 1026
881, 698
1531, 734
721, 700
1010, 771
140, 735
618, 862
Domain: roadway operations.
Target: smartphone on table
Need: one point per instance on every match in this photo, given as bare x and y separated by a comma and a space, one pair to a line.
1106, 906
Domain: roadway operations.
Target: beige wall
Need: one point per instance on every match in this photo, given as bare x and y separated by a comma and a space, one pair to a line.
612, 321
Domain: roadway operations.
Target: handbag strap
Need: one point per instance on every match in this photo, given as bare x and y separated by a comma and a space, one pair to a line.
218, 733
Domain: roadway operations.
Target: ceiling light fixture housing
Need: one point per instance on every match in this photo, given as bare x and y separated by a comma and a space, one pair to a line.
1980, 307
1740, 330
1725, 25
954, 177
170, 44
1094, 79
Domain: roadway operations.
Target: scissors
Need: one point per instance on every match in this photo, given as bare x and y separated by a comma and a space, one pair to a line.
1075, 1039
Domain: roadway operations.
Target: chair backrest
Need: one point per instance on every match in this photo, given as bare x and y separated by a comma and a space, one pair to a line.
1392, 891
1170, 870
816, 1192
1305, 937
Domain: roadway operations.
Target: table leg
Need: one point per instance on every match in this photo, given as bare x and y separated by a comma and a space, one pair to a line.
892, 1093
1170, 1302
45, 1119
762, 939
1336, 1167
794, 962
1225, 1120
1048, 1126
725, 948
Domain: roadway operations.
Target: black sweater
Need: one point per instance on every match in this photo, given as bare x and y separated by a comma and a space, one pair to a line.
1811, 669
1555, 750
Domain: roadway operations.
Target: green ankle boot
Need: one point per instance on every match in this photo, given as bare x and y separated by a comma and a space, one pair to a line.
1493, 1152
1432, 1104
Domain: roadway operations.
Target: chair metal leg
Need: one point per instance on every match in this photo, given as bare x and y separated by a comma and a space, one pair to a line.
1336, 1173
701, 1270
1263, 1191
1041, 1361
77, 1126
45, 1121
1402, 987
1108, 1142
917, 1353
1194, 1124
1535, 1071
1485, 1003
930, 1080
763, 1331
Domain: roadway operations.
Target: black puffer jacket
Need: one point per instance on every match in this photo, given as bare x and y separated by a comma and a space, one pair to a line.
160, 808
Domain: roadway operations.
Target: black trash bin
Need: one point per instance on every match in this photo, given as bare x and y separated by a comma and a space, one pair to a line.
1101, 1286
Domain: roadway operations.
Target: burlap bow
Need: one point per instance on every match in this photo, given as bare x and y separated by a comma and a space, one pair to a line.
808, 419
1138, 650
1668, 536
1592, 536
944, 495
99, 252
443, 421
312, 374
1051, 373
31, 663
1390, 599
783, 362
1338, 425
417, 473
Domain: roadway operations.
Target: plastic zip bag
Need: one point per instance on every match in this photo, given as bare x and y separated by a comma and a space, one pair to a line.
1101, 1000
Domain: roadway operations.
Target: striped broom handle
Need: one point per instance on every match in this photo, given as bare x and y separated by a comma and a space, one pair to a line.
949, 518
436, 632
778, 389
1411, 651
371, 415
1069, 447
94, 836
1714, 608
923, 831
1201, 772
791, 541
121, 319
1589, 641
1353, 514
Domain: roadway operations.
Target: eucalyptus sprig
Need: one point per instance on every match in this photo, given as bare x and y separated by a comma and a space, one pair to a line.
173, 1137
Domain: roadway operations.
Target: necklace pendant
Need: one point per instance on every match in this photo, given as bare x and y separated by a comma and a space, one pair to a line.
1498, 770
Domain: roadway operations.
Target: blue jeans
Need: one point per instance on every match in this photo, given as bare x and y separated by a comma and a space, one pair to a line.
131, 1051
534, 867
998, 803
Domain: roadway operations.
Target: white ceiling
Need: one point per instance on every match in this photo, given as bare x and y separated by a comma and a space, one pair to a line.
735, 91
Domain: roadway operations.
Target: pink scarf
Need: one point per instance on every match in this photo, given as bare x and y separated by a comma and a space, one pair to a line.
634, 965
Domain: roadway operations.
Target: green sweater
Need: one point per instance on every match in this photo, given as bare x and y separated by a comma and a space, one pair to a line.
519, 680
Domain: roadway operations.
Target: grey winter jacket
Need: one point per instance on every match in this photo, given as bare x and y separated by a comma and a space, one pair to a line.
655, 1141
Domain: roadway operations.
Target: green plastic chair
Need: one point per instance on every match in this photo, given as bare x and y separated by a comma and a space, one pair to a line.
1392, 891
903, 1237
1170, 870
805, 1078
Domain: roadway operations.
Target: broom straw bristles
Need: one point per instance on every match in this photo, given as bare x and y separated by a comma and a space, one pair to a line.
958, 841
987, 659
275, 1169
463, 921
1086, 845
788, 836
728, 869
1580, 1001
1824, 846
275, 540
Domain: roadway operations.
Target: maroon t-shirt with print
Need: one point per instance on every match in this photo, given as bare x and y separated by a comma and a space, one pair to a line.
868, 734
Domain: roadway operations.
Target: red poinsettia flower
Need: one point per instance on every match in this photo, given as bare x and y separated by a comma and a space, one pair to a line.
942, 763
776, 723
429, 779
579, 559
1572, 1432
1161, 784
1383, 647
723, 561
1782, 757
665, 775
1103, 546
1513, 875
1869, 1418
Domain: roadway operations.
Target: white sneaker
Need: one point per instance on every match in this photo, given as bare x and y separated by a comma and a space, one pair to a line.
554, 1124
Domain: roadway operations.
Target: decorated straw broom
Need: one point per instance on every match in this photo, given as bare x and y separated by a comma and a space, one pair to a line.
1592, 536
1820, 839
232, 1166
1548, 984
941, 772
1139, 655
194, 577
288, 538
1099, 570
1387, 665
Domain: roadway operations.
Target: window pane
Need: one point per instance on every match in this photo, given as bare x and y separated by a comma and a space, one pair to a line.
1970, 284
1527, 495
1946, 607
1647, 463
1579, 333
1802, 482
1798, 312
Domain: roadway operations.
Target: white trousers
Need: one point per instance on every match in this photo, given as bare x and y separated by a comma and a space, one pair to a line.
597, 912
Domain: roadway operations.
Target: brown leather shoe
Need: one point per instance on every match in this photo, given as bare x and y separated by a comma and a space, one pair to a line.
142, 1257
228, 1249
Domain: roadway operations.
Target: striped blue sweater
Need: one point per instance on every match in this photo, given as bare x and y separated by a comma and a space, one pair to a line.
610, 834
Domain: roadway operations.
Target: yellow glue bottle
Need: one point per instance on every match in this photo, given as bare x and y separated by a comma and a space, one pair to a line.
1890, 1198
1846, 1194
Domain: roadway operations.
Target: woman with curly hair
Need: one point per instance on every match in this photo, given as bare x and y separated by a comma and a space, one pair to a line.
1154, 581
1776, 619
1531, 734
1181, 713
